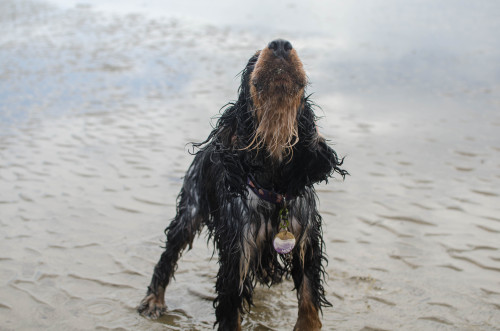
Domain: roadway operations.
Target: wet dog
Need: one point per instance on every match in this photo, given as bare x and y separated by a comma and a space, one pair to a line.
251, 183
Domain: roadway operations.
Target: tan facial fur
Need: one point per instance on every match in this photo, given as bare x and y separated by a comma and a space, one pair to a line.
277, 87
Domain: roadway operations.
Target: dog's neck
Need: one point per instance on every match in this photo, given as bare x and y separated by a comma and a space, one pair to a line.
267, 173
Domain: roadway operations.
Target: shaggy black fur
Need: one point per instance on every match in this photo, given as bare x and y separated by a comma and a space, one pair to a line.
215, 194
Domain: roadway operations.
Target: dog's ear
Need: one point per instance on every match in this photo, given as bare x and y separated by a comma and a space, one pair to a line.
307, 127
227, 136
316, 159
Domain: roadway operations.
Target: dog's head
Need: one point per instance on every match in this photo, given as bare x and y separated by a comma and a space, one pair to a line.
276, 84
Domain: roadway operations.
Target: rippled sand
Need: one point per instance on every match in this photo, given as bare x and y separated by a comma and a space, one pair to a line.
96, 113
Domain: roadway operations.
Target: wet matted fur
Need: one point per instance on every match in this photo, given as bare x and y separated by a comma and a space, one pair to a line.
269, 135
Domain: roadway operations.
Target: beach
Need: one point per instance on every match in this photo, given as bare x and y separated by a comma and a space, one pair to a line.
99, 103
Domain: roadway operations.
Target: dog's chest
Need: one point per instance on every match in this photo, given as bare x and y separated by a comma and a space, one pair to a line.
264, 222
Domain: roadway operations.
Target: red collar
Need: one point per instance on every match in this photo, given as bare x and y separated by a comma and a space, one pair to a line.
267, 195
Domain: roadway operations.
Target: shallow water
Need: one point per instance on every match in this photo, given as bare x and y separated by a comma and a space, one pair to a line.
98, 103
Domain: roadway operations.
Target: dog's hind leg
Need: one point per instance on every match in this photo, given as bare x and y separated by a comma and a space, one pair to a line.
180, 233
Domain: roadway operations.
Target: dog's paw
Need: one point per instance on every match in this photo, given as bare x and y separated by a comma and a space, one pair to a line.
304, 324
152, 306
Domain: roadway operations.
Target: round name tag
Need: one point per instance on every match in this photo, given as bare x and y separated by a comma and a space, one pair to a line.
284, 242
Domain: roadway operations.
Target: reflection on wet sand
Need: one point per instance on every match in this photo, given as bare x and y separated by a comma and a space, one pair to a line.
96, 110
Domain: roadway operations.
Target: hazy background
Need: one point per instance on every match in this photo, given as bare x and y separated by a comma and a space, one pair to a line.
98, 100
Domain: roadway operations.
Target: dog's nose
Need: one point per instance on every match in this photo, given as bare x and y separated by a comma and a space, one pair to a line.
281, 48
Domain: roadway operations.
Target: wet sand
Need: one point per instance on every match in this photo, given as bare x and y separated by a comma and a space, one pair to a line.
97, 109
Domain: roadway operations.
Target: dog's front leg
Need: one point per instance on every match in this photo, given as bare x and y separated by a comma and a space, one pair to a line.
308, 319
306, 275
229, 299
180, 233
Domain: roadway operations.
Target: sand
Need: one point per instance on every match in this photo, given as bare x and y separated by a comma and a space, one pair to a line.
97, 109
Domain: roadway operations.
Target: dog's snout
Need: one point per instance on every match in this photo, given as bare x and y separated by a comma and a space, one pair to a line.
280, 47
